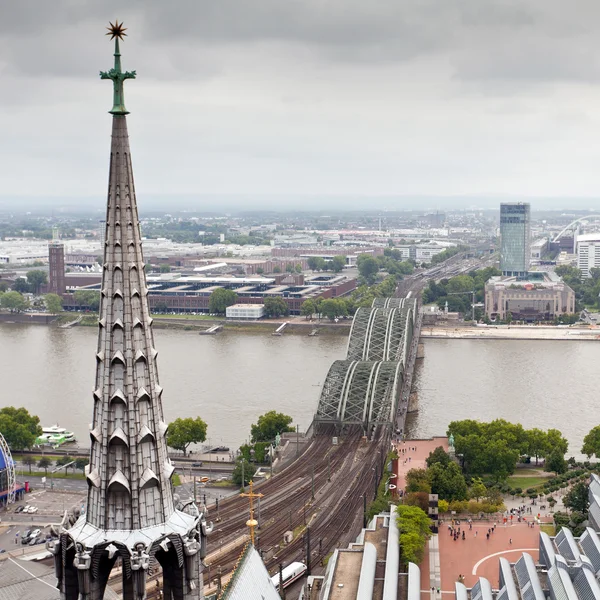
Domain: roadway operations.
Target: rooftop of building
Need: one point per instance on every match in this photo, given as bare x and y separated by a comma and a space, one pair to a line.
534, 280
371, 563
589, 237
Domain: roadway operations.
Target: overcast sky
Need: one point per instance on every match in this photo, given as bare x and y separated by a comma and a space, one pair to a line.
273, 99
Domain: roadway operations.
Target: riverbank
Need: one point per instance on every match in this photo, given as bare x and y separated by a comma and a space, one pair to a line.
295, 325
511, 332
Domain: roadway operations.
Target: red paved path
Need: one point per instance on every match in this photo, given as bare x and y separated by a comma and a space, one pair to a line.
415, 459
460, 557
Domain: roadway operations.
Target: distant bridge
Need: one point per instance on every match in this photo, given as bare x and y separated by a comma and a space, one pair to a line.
365, 388
573, 223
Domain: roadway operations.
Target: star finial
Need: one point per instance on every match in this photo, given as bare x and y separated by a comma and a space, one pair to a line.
117, 30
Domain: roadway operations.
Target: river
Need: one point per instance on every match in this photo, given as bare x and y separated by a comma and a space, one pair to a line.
231, 378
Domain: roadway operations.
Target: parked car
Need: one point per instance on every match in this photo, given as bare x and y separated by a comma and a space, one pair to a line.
35, 533
197, 464
19, 508
32, 542
33, 509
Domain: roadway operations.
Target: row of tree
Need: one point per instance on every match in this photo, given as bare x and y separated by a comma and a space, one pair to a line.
31, 285
457, 291
587, 290
45, 463
336, 264
494, 448
16, 302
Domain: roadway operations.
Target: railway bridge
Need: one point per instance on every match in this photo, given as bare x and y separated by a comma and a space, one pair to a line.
370, 388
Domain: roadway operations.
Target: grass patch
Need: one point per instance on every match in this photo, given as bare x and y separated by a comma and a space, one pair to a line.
530, 472
548, 528
222, 484
526, 482
176, 479
58, 475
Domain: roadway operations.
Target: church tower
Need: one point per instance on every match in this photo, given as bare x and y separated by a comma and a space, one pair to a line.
132, 513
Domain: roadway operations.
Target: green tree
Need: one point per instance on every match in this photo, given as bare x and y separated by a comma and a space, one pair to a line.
81, 464
236, 474
183, 432
591, 443
439, 455
368, 267
501, 459
53, 303
19, 428
220, 299
3, 286
165, 268
289, 268
557, 441
414, 526
36, 279
269, 425
447, 482
537, 443
477, 489
333, 308
89, 299
308, 308
62, 461
14, 301
44, 463
556, 462
277, 269
276, 307
29, 461
315, 263
418, 480
20, 285
298, 268
338, 263
577, 498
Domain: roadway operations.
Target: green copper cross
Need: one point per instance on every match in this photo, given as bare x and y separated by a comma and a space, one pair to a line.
118, 77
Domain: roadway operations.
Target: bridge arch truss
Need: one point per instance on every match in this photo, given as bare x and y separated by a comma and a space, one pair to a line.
360, 393
382, 333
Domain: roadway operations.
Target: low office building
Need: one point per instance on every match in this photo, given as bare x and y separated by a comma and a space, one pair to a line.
245, 311
174, 292
539, 297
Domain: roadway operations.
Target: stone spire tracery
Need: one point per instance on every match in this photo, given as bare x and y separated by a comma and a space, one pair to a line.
131, 511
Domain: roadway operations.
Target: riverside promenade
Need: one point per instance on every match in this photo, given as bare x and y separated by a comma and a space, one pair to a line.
511, 332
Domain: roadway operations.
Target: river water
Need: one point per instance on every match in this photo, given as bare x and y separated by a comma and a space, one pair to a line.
231, 378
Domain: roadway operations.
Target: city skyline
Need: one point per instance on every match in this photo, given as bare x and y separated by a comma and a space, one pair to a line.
253, 106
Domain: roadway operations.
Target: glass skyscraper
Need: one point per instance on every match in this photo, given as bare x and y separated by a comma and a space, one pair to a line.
515, 238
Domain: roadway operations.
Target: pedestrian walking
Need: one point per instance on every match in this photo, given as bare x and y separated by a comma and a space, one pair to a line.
510, 541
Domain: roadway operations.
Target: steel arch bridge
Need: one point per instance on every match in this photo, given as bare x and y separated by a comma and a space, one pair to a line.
365, 388
382, 333
360, 392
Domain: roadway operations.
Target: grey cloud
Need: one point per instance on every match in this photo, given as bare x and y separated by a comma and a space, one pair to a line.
480, 39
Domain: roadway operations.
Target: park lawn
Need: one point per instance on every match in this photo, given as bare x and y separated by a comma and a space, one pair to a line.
58, 475
526, 482
530, 472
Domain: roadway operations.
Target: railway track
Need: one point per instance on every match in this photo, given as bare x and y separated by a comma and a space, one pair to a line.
330, 515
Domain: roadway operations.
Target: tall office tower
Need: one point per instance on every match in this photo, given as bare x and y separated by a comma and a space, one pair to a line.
132, 514
56, 261
515, 239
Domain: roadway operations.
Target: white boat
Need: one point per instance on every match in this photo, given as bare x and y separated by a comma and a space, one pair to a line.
68, 436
